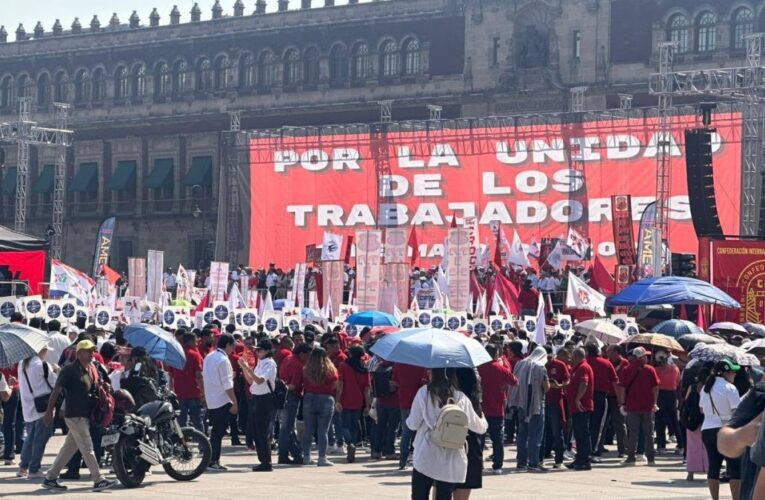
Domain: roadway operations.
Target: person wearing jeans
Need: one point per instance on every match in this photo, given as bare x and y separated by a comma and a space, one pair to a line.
188, 384
291, 372
638, 390
496, 377
605, 382
553, 432
580, 406
191, 413
407, 379
37, 379
354, 396
319, 385
558, 374
13, 428
532, 386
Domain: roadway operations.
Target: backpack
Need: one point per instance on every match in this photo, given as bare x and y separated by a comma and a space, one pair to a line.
381, 382
278, 393
690, 414
102, 399
451, 428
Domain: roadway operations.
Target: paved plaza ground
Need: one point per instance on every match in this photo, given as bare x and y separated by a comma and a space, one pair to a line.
380, 480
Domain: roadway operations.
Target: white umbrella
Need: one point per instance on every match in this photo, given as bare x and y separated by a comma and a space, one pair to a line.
728, 326
602, 330
19, 342
756, 347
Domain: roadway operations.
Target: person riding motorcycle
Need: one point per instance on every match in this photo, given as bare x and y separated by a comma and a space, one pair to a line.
142, 377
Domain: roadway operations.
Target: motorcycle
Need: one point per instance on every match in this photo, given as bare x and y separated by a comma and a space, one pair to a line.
152, 436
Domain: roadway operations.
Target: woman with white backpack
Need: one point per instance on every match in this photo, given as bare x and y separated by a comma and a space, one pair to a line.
441, 416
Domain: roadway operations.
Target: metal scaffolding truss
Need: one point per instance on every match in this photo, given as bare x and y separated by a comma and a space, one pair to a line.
745, 84
59, 180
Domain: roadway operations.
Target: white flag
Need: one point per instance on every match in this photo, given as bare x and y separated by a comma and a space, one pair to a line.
579, 295
534, 248
539, 334
266, 305
235, 298
69, 280
397, 313
331, 246
555, 258
576, 243
517, 252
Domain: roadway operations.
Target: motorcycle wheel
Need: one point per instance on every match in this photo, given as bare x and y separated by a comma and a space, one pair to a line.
190, 462
129, 469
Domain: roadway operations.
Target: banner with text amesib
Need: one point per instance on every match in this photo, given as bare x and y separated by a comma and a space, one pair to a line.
104, 240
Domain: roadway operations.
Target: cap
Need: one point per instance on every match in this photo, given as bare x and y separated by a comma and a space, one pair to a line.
726, 365
639, 352
265, 345
86, 345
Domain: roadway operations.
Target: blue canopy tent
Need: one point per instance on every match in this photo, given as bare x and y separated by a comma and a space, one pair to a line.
673, 290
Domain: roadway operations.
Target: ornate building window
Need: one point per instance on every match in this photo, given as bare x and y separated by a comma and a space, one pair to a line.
311, 66
43, 89
338, 64
677, 31
743, 25
59, 87
388, 59
291, 67
5, 92
204, 75
266, 70
81, 86
23, 86
360, 61
138, 81
179, 77
246, 71
120, 83
706, 32
411, 55
99, 84
222, 73
161, 80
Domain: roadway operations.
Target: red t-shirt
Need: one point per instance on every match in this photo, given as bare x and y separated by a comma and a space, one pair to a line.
282, 354
409, 379
529, 299
669, 377
9, 372
338, 358
327, 388
354, 384
605, 375
582, 374
185, 381
291, 371
640, 381
558, 371
495, 378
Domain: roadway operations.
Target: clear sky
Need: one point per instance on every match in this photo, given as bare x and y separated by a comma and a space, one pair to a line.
28, 12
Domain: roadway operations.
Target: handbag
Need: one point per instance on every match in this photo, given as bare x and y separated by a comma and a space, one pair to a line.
41, 402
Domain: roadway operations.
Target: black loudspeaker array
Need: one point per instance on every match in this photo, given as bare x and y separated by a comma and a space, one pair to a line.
701, 184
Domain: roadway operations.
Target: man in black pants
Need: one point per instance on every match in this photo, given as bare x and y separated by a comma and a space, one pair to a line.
218, 376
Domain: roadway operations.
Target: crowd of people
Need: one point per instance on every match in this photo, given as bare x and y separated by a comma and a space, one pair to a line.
566, 404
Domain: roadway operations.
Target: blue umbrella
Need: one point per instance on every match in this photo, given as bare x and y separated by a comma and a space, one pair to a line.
672, 290
159, 344
372, 318
677, 327
431, 348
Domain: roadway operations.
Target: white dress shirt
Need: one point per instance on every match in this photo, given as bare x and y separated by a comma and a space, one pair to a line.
265, 369
34, 371
56, 345
218, 377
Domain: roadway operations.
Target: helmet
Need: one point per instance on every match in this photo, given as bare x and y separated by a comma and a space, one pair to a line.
123, 401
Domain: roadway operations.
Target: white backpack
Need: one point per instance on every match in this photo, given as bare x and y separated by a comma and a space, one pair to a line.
451, 428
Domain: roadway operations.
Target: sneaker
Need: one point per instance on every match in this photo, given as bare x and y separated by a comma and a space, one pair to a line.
521, 468
216, 467
596, 460
557, 465
104, 484
583, 467
393, 456
334, 450
629, 461
538, 468
53, 484
496, 472
404, 467
36, 475
323, 462
22, 473
262, 468
9, 461
568, 455
307, 461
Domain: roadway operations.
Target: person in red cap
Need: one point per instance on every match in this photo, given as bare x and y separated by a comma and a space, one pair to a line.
638, 392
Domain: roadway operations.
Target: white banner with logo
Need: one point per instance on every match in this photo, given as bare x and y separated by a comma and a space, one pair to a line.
368, 269
458, 269
154, 264
218, 280
395, 246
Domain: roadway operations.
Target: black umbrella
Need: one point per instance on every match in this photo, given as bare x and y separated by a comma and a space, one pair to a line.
689, 341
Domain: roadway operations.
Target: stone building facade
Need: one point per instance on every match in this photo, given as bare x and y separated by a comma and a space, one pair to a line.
150, 98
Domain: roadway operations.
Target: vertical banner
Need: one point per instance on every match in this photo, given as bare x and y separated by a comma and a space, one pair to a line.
368, 269
332, 279
498, 235
136, 277
182, 291
645, 242
622, 277
103, 245
218, 279
155, 264
458, 271
397, 277
624, 237
298, 284
395, 246
474, 244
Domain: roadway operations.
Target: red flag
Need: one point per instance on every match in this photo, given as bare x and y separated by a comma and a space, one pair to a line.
601, 279
111, 275
508, 292
348, 245
683, 312
454, 221
498, 249
205, 302
701, 319
412, 242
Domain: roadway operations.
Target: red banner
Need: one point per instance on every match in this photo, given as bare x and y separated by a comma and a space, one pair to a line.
624, 236
738, 268
517, 176
24, 266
